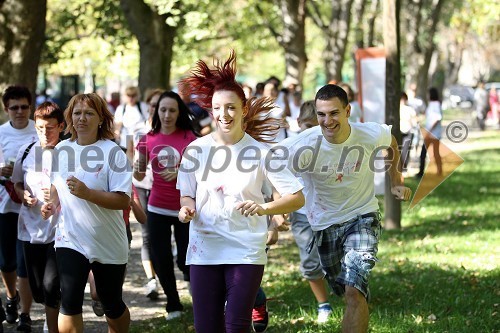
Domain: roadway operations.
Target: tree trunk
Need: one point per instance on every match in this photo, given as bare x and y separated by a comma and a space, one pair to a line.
335, 33
420, 36
294, 39
22, 31
371, 23
392, 93
336, 39
156, 41
359, 12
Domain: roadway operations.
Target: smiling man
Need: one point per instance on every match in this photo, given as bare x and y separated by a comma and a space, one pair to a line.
336, 166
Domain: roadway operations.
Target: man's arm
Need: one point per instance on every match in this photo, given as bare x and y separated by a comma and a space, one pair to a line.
400, 191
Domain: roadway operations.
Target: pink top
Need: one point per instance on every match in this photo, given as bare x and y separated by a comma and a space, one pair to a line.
164, 151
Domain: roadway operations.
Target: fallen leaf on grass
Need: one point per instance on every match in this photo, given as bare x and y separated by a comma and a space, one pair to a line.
297, 321
432, 317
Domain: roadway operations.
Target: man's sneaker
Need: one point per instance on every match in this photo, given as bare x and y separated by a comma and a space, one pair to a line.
98, 309
24, 324
173, 315
2, 313
260, 318
324, 313
152, 289
11, 307
2, 316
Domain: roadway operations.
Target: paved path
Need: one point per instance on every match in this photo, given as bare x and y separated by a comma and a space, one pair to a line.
140, 306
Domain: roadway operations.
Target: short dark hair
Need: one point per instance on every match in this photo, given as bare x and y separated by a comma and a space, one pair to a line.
49, 110
15, 92
331, 91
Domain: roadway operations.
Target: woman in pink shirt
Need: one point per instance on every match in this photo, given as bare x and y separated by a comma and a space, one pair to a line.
171, 133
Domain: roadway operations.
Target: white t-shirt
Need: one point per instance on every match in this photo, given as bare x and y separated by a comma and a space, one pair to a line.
11, 140
132, 120
433, 117
338, 186
96, 232
407, 118
219, 234
34, 172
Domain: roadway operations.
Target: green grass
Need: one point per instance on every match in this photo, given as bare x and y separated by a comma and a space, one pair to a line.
438, 274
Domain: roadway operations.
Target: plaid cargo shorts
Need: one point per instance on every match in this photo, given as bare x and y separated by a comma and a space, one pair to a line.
348, 252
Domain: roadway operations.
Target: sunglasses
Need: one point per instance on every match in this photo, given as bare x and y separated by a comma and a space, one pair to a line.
132, 96
23, 107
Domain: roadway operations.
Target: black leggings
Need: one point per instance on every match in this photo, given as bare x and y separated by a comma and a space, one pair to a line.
74, 270
8, 240
42, 273
160, 235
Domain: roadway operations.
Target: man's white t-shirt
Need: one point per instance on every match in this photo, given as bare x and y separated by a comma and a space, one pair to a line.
96, 232
131, 118
11, 139
219, 234
34, 172
337, 177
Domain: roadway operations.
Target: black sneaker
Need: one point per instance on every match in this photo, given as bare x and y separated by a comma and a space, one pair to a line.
24, 324
98, 309
260, 318
2, 314
12, 305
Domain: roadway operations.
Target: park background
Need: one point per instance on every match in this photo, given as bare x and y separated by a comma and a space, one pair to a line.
439, 271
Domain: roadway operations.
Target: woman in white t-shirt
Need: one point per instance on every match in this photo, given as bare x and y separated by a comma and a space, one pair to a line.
220, 180
32, 181
91, 185
433, 117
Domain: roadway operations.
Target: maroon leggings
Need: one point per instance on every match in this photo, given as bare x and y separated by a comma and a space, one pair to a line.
213, 285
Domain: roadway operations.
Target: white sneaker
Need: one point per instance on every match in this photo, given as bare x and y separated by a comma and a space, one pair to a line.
324, 313
152, 289
173, 315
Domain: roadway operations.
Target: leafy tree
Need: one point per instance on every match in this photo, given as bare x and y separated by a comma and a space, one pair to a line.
22, 33
420, 23
335, 28
292, 37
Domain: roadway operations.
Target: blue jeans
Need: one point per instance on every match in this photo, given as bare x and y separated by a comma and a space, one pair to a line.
310, 266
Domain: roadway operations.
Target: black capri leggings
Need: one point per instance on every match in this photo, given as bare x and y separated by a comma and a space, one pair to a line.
74, 270
42, 273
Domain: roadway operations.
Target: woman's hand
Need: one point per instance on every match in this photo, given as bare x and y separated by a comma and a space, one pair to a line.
250, 207
6, 171
47, 210
169, 174
77, 187
186, 214
28, 200
46, 194
281, 222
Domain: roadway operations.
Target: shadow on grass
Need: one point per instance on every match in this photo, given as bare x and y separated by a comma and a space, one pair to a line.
410, 297
406, 297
